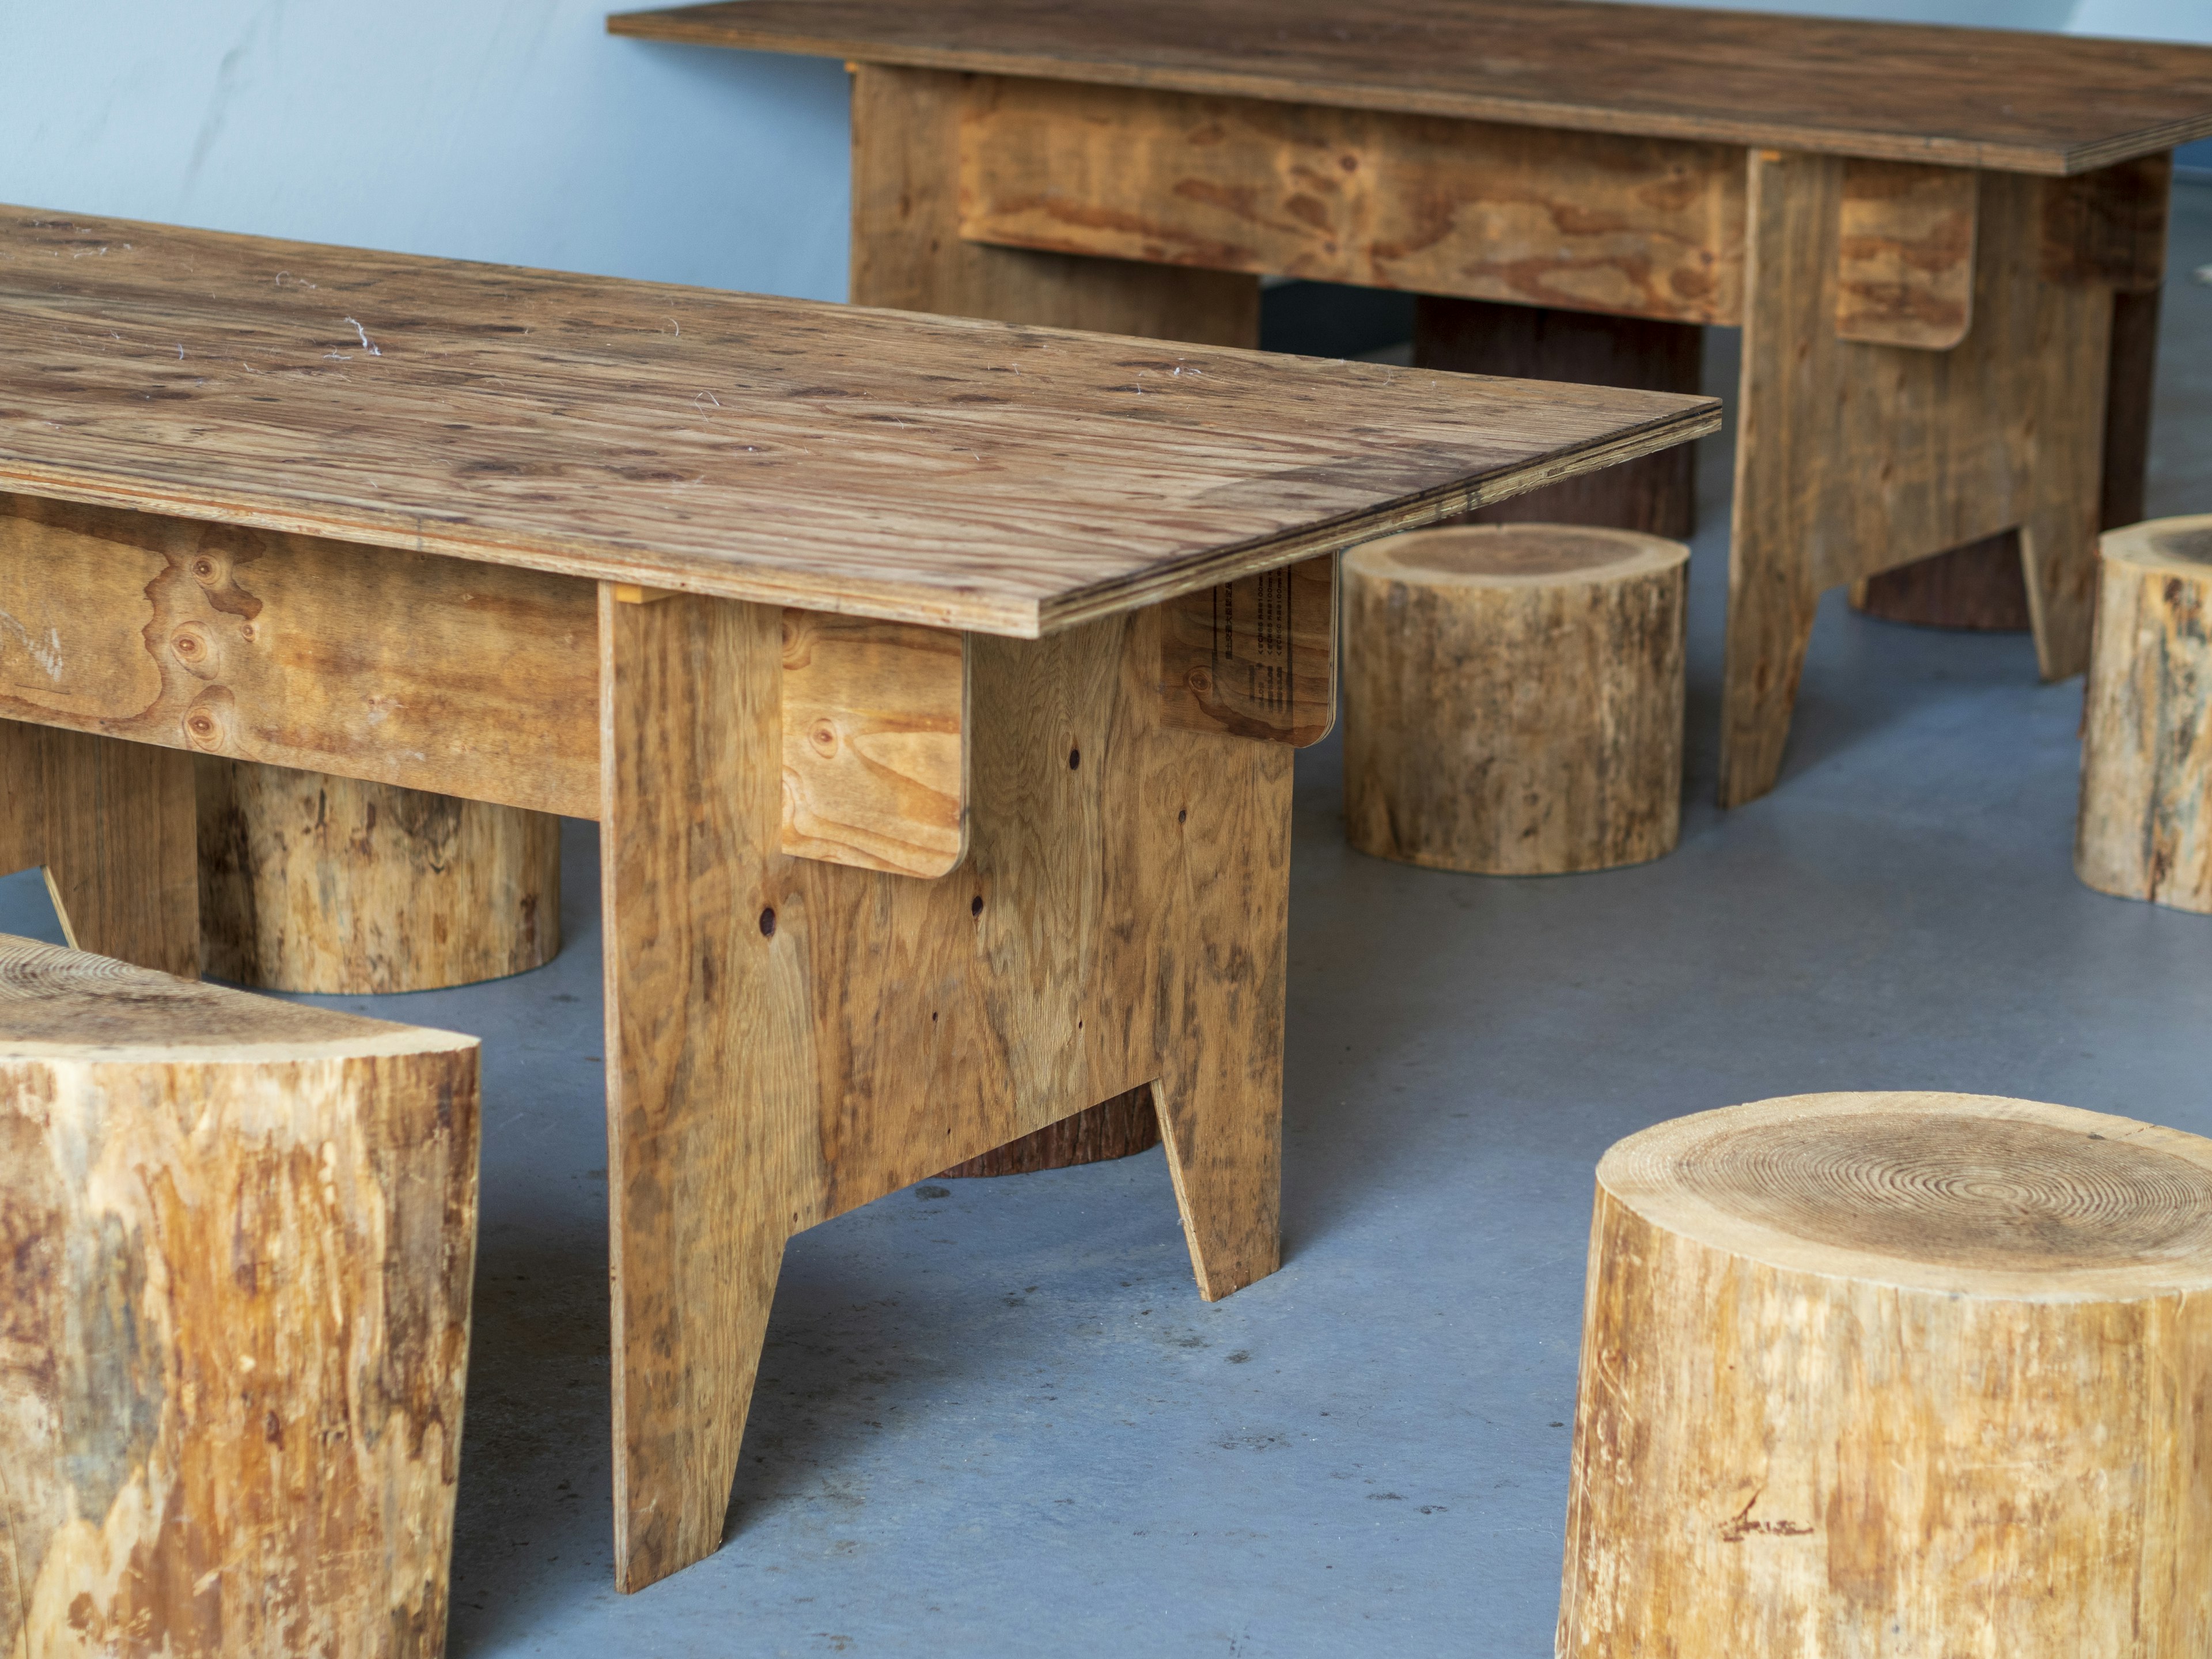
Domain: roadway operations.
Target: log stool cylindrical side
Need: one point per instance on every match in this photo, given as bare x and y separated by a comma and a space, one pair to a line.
1869, 1375
310, 883
236, 1241
1513, 697
2145, 828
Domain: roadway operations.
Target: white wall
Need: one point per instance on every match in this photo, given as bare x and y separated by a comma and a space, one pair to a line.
517, 130
508, 130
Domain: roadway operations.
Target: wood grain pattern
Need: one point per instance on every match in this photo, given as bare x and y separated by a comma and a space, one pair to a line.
2130, 379
1255, 657
2145, 827
112, 823
314, 883
1904, 250
1655, 494
2109, 226
236, 1240
875, 744
1980, 586
1591, 221
1955, 97
707, 1023
365, 662
908, 253
793, 1038
1516, 696
1119, 1128
936, 471
1855, 459
1895, 1374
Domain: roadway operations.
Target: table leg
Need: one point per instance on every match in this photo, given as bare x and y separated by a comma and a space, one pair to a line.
907, 250
788, 1039
908, 253
1655, 494
1854, 458
2127, 389
1981, 585
113, 823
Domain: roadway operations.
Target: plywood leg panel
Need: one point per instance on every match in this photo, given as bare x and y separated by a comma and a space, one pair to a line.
1656, 493
1853, 458
1982, 585
1978, 587
1220, 1022
789, 1038
112, 822
2127, 389
908, 253
704, 1008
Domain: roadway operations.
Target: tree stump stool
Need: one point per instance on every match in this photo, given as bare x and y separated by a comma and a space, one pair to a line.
310, 883
2145, 828
1868, 1374
236, 1237
1513, 697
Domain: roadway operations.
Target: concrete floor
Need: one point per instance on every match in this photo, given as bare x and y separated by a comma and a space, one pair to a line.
994, 1417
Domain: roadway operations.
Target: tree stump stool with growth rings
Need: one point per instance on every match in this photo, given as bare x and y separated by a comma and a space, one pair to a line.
1893, 1376
1513, 697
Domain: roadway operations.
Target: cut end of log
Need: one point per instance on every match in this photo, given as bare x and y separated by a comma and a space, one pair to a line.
2178, 544
1957, 1193
57, 1003
1894, 1374
1512, 555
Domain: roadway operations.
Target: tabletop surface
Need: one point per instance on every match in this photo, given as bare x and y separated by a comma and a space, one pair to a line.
935, 470
2000, 99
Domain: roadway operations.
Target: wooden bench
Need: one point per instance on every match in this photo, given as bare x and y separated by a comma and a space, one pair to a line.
1943, 245
236, 1240
934, 685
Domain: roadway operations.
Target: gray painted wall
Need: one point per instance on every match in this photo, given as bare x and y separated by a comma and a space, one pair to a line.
513, 129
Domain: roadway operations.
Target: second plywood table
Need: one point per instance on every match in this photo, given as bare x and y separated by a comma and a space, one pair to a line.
1943, 245
934, 685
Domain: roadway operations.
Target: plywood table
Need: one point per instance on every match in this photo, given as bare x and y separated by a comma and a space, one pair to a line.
1942, 246
934, 684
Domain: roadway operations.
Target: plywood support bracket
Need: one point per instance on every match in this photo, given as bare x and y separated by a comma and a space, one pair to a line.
875, 744
1254, 658
1906, 254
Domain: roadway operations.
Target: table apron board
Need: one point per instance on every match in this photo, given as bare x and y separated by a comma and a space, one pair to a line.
483, 681
1627, 226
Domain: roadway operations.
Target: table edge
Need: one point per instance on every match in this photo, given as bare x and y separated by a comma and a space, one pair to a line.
2057, 161
881, 598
